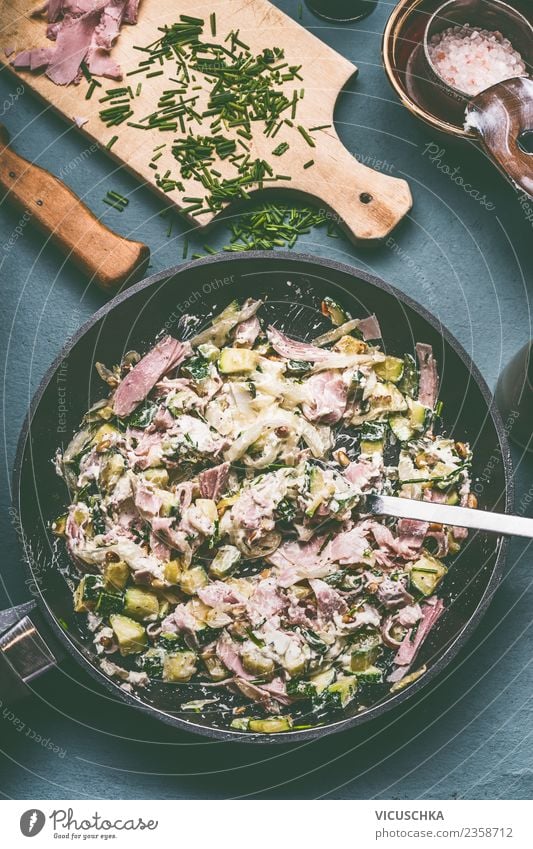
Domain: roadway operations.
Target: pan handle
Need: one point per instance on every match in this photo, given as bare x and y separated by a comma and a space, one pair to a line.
502, 115
25, 653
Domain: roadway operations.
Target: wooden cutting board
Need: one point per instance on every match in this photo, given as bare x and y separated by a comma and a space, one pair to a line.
368, 203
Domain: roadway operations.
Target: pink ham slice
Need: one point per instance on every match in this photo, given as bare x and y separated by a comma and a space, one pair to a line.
247, 332
432, 609
72, 43
293, 350
427, 391
213, 481
166, 355
329, 395
84, 30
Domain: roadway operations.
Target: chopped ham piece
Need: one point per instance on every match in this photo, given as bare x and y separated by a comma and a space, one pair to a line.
427, 391
247, 332
329, 601
431, 611
213, 481
72, 43
412, 532
84, 31
329, 394
370, 328
396, 545
132, 8
293, 350
363, 472
166, 355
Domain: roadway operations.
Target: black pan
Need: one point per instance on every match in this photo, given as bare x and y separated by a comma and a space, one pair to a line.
293, 286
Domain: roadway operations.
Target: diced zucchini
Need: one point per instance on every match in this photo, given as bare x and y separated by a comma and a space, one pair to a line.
271, 725
141, 604
180, 666
319, 490
209, 352
409, 679
426, 574
216, 669
419, 415
158, 476
349, 345
193, 579
116, 574
152, 662
87, 592
365, 650
336, 313
297, 367
321, 680
172, 571
109, 602
236, 360
391, 368
401, 428
372, 438
225, 562
240, 723
409, 382
197, 368
130, 635
59, 526
372, 675
208, 508
257, 663
170, 642
295, 661
111, 471
341, 692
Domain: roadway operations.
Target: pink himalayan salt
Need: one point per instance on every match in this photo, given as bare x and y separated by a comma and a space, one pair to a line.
471, 59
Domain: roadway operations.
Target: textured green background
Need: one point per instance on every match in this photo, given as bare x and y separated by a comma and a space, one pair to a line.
466, 736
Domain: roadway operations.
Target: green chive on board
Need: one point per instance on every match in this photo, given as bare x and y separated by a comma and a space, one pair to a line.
369, 204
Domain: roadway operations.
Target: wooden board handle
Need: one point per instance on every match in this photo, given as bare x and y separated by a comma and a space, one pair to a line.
500, 115
367, 202
105, 257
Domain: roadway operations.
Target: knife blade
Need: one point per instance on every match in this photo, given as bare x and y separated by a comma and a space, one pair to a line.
444, 514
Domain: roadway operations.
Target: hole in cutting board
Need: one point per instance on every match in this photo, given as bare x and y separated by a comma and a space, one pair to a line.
525, 141
365, 197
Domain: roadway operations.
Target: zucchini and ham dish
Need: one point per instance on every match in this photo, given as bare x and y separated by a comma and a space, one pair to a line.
218, 523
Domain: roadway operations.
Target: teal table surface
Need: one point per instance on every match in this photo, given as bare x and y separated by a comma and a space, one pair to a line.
464, 252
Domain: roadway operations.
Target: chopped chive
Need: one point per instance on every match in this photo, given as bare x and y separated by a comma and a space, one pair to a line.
322, 127
308, 164
306, 136
111, 142
213, 22
280, 149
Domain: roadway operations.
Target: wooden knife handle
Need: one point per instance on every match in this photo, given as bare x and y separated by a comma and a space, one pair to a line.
105, 257
500, 115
